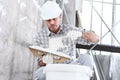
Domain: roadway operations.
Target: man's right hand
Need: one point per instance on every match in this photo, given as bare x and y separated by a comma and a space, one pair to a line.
41, 63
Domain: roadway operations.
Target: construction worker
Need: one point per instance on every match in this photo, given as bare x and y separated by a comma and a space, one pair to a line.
51, 13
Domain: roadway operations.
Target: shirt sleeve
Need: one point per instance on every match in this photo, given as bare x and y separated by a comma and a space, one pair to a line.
37, 42
81, 40
78, 40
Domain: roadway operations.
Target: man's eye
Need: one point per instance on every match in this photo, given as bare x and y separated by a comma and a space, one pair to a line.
48, 20
54, 18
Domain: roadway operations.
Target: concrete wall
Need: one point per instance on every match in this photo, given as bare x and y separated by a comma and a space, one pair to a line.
69, 12
19, 22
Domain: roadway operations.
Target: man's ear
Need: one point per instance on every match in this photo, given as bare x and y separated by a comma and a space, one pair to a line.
60, 16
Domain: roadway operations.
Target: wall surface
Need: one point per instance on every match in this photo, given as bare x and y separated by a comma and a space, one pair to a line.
19, 22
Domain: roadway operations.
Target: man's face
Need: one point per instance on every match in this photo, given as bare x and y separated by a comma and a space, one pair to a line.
53, 24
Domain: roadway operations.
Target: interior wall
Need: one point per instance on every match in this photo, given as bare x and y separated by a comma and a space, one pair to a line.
19, 22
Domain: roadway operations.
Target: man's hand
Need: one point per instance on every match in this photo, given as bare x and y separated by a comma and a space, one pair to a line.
90, 36
41, 63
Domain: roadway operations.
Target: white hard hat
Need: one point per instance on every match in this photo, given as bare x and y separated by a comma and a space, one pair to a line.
50, 10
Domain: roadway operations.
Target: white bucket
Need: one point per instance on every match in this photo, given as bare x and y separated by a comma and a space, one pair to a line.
67, 72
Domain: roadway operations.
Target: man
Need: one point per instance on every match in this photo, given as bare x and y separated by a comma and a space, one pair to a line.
51, 14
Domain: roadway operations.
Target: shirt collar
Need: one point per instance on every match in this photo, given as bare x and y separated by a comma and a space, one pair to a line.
49, 32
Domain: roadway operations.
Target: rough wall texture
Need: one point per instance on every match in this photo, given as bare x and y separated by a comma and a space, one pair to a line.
19, 22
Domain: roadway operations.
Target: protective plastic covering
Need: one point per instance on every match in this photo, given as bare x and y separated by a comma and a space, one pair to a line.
115, 67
